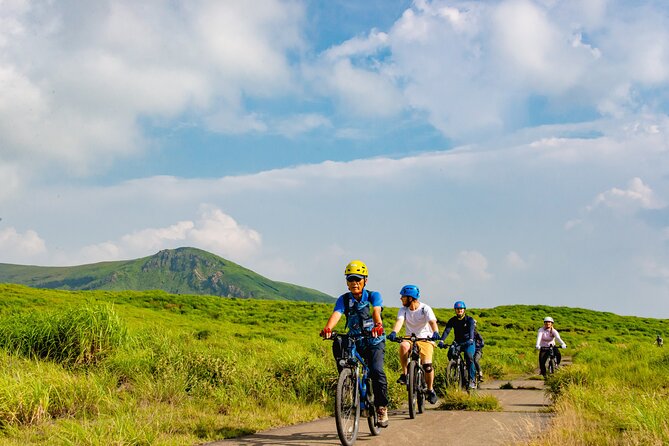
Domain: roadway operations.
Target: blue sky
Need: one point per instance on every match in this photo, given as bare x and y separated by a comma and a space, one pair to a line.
498, 152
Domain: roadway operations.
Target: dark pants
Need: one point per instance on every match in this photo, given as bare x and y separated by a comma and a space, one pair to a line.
544, 353
477, 359
374, 357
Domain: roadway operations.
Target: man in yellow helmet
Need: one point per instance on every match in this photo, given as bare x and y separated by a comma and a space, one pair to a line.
363, 316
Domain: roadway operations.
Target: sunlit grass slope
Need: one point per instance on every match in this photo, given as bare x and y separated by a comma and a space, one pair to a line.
102, 367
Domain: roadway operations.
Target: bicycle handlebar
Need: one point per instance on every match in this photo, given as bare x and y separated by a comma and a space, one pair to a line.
412, 339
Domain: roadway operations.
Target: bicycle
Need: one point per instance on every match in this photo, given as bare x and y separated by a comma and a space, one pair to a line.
354, 397
457, 372
552, 365
416, 385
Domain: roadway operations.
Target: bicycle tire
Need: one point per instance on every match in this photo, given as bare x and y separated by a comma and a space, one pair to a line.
421, 386
464, 377
452, 375
372, 416
347, 407
411, 388
551, 366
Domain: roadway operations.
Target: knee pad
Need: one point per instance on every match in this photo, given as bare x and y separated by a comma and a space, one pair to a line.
427, 368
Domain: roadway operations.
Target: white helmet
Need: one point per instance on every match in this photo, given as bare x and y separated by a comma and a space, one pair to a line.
548, 319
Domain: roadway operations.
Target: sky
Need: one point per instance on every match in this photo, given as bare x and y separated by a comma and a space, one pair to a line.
497, 152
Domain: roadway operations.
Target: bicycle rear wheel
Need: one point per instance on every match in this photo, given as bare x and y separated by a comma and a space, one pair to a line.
347, 407
412, 388
372, 416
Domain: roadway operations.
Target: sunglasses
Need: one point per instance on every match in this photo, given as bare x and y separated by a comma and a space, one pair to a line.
353, 279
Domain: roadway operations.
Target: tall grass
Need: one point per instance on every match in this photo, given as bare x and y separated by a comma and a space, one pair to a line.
613, 395
75, 336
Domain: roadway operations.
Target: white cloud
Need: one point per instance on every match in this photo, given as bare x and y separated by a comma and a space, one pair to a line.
298, 124
637, 196
363, 92
475, 264
515, 261
17, 248
79, 79
214, 231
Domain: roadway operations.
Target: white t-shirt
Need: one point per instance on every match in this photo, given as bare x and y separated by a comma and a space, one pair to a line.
418, 320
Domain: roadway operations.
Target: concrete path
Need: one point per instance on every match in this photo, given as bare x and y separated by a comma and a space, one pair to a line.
523, 415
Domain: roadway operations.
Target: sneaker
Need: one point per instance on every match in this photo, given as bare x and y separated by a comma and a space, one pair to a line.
472, 386
431, 396
382, 413
481, 377
402, 379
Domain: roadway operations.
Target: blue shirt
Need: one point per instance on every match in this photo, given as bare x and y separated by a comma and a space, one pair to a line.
359, 314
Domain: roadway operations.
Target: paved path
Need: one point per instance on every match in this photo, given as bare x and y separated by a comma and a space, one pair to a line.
521, 418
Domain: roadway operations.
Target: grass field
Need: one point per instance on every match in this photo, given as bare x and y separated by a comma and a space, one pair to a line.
150, 368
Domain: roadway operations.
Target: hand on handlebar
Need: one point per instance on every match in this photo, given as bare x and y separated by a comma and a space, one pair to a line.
392, 336
435, 336
326, 333
377, 330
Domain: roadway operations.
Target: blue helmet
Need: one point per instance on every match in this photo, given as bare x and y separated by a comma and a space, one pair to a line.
410, 290
459, 304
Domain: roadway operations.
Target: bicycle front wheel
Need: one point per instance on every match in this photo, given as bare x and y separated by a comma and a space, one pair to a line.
464, 375
453, 374
551, 366
347, 407
372, 416
412, 388
422, 388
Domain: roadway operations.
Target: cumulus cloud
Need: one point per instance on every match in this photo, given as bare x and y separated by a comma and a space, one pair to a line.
214, 231
18, 247
78, 79
637, 196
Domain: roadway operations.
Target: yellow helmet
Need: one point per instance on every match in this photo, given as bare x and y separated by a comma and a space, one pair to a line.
356, 267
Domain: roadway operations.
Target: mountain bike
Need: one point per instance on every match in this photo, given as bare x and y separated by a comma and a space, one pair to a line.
416, 386
354, 397
552, 364
457, 372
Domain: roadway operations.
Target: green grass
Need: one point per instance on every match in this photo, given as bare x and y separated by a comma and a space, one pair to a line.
102, 367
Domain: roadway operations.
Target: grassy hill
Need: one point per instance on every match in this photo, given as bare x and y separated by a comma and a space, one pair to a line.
177, 271
152, 368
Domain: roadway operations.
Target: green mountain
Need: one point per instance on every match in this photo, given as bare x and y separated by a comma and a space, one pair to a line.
176, 271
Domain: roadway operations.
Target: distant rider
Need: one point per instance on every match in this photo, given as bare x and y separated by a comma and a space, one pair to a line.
363, 315
420, 321
464, 327
659, 340
545, 338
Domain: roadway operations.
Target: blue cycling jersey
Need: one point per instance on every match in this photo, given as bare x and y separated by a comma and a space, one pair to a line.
359, 312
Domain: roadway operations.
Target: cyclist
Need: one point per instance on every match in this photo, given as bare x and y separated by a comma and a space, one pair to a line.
363, 315
421, 321
545, 338
478, 343
464, 327
659, 340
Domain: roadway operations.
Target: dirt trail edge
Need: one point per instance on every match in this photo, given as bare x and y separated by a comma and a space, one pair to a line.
523, 416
